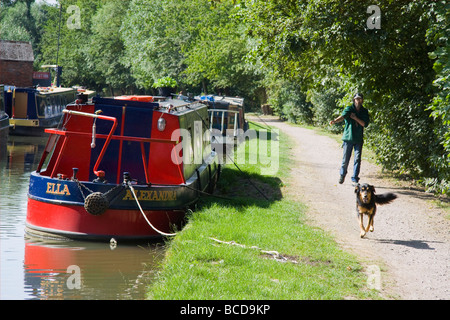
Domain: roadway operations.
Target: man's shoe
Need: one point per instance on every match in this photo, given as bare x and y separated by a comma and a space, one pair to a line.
341, 179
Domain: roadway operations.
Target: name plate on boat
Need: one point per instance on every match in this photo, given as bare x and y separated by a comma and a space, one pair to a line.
57, 188
152, 195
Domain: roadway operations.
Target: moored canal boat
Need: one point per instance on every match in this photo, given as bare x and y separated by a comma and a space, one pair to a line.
31, 110
226, 114
122, 169
227, 121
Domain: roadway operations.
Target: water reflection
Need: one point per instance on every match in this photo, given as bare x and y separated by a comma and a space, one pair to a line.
34, 269
83, 270
23, 153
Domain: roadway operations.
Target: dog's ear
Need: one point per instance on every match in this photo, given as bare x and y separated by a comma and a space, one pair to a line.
372, 188
357, 188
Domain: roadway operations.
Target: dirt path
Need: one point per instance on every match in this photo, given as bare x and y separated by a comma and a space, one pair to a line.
411, 241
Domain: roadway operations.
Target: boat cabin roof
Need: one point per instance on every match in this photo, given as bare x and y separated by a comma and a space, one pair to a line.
49, 90
176, 107
44, 90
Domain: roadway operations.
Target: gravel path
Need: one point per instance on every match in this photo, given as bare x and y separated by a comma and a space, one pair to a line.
411, 240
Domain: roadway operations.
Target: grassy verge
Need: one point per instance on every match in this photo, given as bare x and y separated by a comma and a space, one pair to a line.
310, 265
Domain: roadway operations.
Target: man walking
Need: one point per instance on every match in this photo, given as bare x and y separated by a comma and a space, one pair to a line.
356, 119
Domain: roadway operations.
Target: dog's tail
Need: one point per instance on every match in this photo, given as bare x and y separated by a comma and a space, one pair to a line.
385, 198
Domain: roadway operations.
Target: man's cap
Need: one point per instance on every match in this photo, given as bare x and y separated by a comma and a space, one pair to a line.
358, 95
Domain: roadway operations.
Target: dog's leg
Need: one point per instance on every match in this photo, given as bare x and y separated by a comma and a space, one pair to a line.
369, 223
361, 225
371, 219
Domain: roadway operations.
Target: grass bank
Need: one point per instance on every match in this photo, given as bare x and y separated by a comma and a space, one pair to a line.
251, 247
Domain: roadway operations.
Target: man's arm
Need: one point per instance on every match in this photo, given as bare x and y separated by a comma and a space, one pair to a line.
337, 120
354, 117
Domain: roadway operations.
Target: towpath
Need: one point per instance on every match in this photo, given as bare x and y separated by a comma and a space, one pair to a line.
411, 240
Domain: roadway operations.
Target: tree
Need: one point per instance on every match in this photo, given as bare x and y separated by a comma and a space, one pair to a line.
217, 53
199, 43
74, 35
153, 50
106, 49
439, 34
325, 45
15, 23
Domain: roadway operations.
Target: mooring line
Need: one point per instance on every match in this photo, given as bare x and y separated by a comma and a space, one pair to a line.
145, 217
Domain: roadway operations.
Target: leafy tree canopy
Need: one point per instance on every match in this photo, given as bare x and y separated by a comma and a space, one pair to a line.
305, 57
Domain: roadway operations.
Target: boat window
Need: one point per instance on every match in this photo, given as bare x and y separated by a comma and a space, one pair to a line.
48, 106
59, 103
64, 100
231, 117
54, 105
40, 105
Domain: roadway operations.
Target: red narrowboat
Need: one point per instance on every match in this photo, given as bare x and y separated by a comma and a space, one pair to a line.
122, 168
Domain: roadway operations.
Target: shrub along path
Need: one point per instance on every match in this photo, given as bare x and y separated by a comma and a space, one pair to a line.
411, 240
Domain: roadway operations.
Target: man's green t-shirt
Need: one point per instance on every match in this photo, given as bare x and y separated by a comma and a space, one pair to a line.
353, 131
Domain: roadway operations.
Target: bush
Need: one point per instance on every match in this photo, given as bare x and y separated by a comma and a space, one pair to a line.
166, 82
289, 102
325, 107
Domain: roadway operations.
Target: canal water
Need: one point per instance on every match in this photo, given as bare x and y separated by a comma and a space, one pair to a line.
33, 268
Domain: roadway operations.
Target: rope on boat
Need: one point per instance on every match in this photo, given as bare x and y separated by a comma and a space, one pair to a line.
145, 217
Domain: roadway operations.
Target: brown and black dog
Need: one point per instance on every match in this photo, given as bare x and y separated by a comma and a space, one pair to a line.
366, 203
